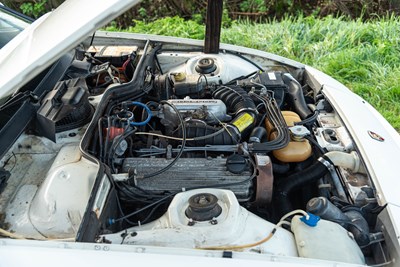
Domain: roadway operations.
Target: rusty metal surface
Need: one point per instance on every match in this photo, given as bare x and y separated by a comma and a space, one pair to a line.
265, 180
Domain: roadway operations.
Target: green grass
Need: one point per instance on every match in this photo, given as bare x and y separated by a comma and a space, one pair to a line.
365, 56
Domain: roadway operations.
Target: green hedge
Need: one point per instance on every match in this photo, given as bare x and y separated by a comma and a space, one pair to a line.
362, 55
255, 10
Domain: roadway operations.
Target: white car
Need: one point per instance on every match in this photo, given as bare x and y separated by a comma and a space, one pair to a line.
121, 148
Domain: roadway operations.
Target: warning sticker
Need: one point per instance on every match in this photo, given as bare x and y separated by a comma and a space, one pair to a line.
271, 76
243, 121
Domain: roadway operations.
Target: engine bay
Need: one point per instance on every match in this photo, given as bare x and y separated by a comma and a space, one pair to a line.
155, 145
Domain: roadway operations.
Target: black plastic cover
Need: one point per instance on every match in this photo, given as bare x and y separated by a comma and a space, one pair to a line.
273, 81
59, 103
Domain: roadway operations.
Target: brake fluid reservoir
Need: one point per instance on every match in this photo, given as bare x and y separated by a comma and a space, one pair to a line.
295, 151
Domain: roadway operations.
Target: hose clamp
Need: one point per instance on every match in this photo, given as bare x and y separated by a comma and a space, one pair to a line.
252, 111
326, 162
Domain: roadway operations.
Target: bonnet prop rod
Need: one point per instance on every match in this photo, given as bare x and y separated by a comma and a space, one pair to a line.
213, 26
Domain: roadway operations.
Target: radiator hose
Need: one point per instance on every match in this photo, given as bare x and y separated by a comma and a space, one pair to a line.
296, 97
286, 185
313, 173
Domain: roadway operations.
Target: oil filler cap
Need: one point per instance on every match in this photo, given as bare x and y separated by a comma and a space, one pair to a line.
236, 164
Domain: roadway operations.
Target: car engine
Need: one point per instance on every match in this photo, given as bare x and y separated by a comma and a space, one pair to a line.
165, 146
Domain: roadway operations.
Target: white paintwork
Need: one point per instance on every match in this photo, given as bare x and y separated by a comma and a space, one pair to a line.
228, 68
52, 35
58, 206
236, 226
387, 224
41, 45
118, 36
48, 253
381, 158
326, 241
345, 143
31, 158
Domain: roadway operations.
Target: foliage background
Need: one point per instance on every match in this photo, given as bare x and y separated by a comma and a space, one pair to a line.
256, 10
356, 42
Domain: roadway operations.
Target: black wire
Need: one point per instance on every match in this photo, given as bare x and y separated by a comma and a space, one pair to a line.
245, 58
15, 161
142, 209
199, 80
276, 119
92, 39
109, 176
100, 129
122, 212
107, 138
241, 77
250, 178
182, 146
309, 120
131, 194
158, 65
151, 213
115, 144
315, 143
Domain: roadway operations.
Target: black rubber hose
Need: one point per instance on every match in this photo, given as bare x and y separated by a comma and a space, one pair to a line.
238, 102
280, 168
286, 185
235, 98
358, 227
199, 130
296, 97
258, 135
351, 219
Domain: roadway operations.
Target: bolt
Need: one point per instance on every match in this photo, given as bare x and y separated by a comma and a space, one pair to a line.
214, 222
191, 222
203, 200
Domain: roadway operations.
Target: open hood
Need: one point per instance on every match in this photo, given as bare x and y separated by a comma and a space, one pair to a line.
42, 43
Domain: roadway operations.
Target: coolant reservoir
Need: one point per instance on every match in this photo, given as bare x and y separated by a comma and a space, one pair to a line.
295, 151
